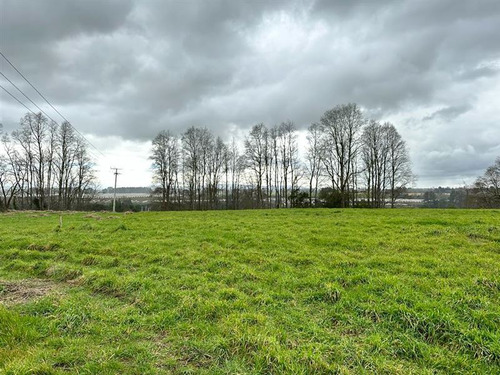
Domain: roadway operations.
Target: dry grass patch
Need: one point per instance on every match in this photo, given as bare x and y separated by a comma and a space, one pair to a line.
23, 291
93, 216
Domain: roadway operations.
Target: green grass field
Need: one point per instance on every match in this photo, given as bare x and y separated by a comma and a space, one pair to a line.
251, 292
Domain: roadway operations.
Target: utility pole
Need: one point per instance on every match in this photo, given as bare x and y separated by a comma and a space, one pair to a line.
114, 192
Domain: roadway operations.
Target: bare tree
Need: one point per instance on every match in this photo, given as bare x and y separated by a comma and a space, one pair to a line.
165, 157
274, 144
207, 150
191, 147
487, 187
50, 158
14, 175
341, 126
216, 169
84, 174
374, 156
38, 127
23, 139
9, 183
400, 174
268, 165
288, 158
65, 162
313, 160
5, 184
237, 164
30, 139
386, 163
255, 149
41, 157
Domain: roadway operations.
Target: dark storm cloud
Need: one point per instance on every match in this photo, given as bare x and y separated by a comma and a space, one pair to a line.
38, 21
131, 68
30, 30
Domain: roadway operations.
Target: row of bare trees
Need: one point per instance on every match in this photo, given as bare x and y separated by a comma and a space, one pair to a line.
356, 162
44, 165
189, 170
366, 163
272, 159
386, 163
199, 171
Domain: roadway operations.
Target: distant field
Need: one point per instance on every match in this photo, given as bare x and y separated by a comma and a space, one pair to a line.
251, 292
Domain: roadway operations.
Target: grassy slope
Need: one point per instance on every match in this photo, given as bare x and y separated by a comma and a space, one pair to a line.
288, 291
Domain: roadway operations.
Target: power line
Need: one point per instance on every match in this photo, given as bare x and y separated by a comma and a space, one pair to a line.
50, 104
20, 102
34, 88
26, 96
33, 112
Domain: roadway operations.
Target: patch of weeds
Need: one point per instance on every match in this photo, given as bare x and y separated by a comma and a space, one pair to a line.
164, 320
12, 255
39, 268
408, 348
47, 247
373, 315
431, 327
474, 236
329, 293
45, 306
353, 280
492, 285
73, 319
445, 272
87, 227
252, 319
134, 285
112, 263
62, 256
301, 261
436, 232
120, 227
62, 273
89, 261
433, 222
218, 265
105, 285
347, 264
229, 294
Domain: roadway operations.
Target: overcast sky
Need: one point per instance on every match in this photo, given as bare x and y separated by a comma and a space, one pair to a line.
121, 71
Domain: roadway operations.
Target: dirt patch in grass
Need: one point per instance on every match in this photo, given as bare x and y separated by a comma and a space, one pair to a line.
93, 216
23, 291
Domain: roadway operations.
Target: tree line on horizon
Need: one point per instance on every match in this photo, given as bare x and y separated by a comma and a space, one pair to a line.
349, 162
